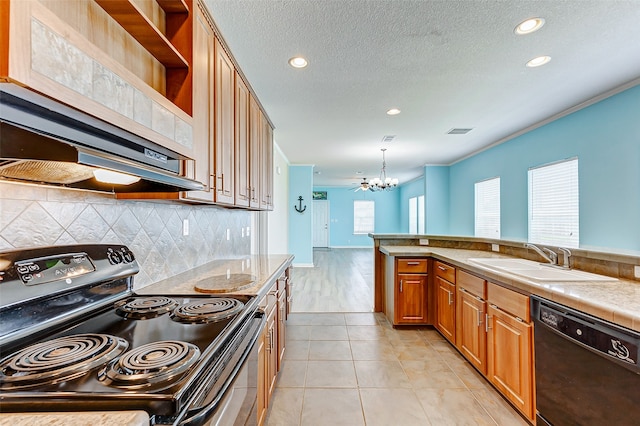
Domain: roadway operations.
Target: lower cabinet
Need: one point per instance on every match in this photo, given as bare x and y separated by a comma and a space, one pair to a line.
471, 329
271, 343
510, 348
446, 308
406, 290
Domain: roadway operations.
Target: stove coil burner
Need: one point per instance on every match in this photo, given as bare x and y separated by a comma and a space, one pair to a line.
156, 364
207, 310
145, 307
59, 360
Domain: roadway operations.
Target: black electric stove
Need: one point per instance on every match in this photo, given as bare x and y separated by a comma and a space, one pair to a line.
74, 336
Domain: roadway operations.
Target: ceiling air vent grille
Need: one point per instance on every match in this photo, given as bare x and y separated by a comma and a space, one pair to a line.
388, 138
458, 131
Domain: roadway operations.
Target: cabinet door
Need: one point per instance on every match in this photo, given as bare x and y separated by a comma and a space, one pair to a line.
263, 391
510, 358
282, 314
266, 160
471, 336
255, 138
446, 308
411, 299
224, 126
242, 189
203, 65
272, 352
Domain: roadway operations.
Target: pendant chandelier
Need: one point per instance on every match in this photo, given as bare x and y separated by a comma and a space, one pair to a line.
383, 183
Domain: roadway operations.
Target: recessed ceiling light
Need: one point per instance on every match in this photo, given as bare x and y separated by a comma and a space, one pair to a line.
539, 61
393, 111
358, 172
298, 62
529, 26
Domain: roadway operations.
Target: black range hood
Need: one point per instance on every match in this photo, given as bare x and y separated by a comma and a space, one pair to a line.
43, 141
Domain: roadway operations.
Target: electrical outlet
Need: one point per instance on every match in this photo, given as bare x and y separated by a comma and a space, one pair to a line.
228, 234
495, 247
424, 242
242, 229
228, 273
185, 227
248, 233
636, 271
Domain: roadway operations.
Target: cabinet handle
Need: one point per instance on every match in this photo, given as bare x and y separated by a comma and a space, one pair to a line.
221, 177
450, 298
479, 318
413, 263
486, 324
401, 286
442, 268
269, 345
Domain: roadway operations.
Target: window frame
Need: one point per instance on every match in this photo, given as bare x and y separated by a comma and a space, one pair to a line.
361, 230
487, 217
559, 225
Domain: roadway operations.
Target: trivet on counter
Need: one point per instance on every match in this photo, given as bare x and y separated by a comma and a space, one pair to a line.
225, 283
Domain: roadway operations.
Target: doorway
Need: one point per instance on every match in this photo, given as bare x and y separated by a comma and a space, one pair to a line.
321, 223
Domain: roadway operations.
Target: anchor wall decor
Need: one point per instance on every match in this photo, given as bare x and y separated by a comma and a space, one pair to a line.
300, 209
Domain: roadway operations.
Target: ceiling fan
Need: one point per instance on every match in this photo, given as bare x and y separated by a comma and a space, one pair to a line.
364, 186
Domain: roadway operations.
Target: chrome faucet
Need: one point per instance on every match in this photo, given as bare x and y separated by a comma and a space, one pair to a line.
566, 258
547, 254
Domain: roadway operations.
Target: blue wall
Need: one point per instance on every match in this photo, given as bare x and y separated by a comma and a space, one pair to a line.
606, 139
300, 224
341, 215
437, 200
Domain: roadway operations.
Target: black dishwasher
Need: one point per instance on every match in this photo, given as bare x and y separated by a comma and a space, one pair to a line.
586, 369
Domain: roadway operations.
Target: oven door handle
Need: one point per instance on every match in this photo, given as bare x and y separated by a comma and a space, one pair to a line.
198, 416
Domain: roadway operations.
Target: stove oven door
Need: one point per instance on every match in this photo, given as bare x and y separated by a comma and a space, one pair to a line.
235, 402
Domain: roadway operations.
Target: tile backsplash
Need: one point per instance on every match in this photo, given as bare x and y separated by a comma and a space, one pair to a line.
33, 215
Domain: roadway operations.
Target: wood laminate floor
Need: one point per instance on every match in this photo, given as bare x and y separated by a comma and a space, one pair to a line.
340, 281
345, 365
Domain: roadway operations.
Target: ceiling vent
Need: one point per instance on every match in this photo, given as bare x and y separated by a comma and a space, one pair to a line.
458, 131
388, 138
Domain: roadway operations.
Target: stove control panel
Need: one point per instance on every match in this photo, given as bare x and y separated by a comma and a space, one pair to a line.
54, 268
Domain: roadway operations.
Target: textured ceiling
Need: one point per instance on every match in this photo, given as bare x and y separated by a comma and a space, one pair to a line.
445, 64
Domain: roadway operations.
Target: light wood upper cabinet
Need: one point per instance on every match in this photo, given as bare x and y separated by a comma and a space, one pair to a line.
255, 142
125, 62
242, 186
266, 160
224, 127
203, 104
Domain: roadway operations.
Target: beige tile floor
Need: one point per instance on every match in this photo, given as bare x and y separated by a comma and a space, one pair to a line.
353, 368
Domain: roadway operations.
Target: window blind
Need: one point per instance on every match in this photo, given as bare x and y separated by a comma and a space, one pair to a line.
554, 204
487, 208
363, 216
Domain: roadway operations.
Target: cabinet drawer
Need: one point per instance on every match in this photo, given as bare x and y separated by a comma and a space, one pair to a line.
411, 266
472, 284
445, 271
509, 301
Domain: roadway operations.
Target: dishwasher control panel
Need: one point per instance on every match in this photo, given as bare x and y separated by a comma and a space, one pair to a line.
591, 332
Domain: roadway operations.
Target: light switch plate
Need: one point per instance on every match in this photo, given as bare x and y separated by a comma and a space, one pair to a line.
185, 227
636, 271
495, 247
424, 242
228, 234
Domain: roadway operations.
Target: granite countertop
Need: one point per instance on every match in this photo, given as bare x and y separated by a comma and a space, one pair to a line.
614, 301
91, 418
265, 269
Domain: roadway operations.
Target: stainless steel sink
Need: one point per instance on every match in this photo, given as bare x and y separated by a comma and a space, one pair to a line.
537, 271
